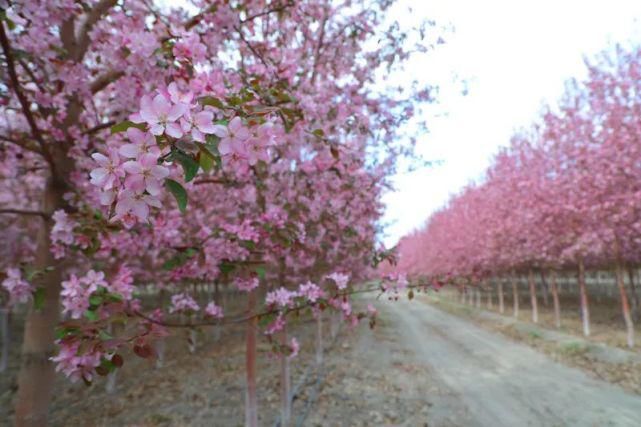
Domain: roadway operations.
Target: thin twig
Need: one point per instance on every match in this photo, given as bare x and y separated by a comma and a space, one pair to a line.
24, 103
25, 212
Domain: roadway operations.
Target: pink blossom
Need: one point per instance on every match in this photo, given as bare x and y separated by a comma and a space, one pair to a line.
246, 285
141, 143
74, 365
122, 283
280, 297
178, 97
213, 310
20, 290
108, 175
145, 174
183, 303
310, 291
62, 230
232, 137
198, 124
135, 203
340, 279
76, 292
190, 48
161, 115
276, 326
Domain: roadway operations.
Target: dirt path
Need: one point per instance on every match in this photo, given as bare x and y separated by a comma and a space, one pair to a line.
504, 383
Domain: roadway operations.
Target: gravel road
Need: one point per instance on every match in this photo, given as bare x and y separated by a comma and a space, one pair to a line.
504, 383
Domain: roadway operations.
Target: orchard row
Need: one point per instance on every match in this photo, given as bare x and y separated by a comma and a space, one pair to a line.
564, 196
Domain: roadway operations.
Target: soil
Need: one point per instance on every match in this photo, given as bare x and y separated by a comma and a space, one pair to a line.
420, 366
506, 383
368, 378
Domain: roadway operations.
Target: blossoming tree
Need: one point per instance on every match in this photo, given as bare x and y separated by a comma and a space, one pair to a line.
244, 144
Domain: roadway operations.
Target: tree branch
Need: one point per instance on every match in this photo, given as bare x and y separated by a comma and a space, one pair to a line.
105, 80
93, 17
25, 212
98, 128
24, 103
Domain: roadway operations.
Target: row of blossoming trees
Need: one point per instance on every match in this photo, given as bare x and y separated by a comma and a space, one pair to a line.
242, 145
564, 196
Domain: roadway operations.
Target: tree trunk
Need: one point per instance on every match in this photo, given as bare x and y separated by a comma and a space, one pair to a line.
334, 324
555, 299
585, 310
160, 346
36, 377
635, 296
515, 298
489, 296
501, 300
625, 307
533, 299
319, 339
285, 384
251, 398
544, 288
478, 297
192, 341
6, 338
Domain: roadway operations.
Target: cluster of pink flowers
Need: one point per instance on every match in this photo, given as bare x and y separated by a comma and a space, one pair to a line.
310, 291
74, 365
183, 303
20, 290
276, 326
213, 310
280, 298
242, 147
76, 292
62, 234
340, 279
247, 285
244, 231
122, 283
136, 183
395, 282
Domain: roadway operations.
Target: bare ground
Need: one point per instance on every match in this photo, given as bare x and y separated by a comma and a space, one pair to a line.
504, 383
419, 367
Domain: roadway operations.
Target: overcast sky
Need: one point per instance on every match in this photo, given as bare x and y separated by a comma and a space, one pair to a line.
515, 55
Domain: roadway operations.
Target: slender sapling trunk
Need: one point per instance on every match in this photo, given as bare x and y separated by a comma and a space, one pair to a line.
533, 299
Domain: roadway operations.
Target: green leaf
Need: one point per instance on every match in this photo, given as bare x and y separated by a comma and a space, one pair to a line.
10, 23
190, 167
260, 270
91, 315
179, 259
211, 101
266, 319
319, 133
179, 193
112, 297
95, 300
39, 298
248, 244
123, 126
65, 332
226, 267
205, 161
104, 335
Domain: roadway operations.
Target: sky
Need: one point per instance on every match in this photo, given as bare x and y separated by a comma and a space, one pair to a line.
514, 56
